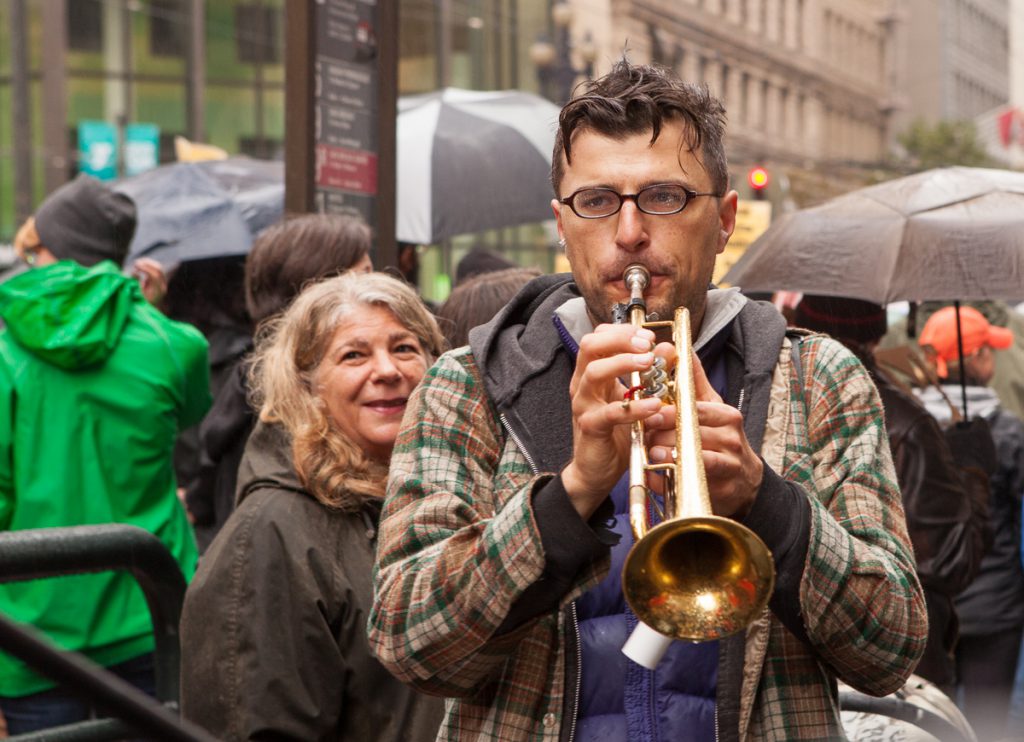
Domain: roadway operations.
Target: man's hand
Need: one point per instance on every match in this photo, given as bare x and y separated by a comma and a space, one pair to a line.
734, 471
152, 279
600, 427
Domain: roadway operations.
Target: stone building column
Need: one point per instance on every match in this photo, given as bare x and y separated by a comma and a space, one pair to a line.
734, 98
691, 63
771, 16
713, 76
793, 123
755, 102
754, 17
792, 22
732, 12
814, 127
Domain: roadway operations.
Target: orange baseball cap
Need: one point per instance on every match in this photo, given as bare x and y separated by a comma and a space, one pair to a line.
940, 333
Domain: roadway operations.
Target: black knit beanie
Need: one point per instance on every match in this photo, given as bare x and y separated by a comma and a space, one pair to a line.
842, 318
87, 222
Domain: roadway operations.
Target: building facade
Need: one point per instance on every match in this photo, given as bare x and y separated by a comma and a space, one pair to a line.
953, 60
807, 83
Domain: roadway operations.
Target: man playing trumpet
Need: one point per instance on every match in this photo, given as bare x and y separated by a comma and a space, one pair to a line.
505, 531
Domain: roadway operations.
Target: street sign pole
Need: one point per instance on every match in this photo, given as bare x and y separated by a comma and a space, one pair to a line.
341, 83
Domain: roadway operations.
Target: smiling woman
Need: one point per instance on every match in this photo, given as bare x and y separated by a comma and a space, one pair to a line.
370, 368
273, 628
323, 359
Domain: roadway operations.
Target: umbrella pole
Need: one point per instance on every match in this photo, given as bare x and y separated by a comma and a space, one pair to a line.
960, 357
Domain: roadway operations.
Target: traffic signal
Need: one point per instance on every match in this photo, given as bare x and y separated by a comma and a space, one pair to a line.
758, 180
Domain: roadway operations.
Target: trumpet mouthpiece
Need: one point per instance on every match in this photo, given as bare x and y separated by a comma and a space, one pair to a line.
636, 278
636, 272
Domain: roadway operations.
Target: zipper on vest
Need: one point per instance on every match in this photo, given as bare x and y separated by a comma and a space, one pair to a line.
652, 707
716, 718
579, 672
518, 442
739, 402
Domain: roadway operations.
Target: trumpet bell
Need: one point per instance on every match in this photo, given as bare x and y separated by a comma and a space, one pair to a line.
699, 578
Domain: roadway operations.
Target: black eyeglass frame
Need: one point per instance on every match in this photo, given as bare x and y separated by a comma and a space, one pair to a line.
635, 198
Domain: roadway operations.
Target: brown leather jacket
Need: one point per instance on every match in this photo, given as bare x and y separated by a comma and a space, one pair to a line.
946, 510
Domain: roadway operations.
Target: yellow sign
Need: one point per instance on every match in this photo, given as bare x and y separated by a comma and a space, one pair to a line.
752, 219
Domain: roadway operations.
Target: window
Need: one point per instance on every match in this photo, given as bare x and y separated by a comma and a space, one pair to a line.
256, 33
85, 26
168, 24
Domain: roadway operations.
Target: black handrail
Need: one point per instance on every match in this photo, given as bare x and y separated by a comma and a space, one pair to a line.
97, 686
49, 552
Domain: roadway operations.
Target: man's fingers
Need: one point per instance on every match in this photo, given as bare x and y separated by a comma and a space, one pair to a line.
594, 379
718, 414
602, 419
702, 387
608, 340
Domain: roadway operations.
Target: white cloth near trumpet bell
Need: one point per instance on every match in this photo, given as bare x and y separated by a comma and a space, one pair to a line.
646, 646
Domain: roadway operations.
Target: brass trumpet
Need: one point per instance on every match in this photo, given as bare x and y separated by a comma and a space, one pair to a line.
695, 576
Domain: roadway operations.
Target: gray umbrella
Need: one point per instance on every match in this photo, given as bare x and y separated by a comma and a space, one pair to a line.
948, 234
471, 160
199, 210
945, 234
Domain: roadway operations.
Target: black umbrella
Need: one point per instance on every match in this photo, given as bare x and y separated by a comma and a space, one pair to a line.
470, 160
198, 210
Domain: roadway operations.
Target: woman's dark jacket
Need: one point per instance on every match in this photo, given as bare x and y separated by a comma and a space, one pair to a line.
210, 496
274, 625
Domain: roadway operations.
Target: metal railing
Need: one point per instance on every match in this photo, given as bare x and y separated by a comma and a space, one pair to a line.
51, 552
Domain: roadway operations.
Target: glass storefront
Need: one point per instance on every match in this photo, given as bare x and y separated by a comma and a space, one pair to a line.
126, 61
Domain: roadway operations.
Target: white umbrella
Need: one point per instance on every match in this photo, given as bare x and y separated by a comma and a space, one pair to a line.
472, 160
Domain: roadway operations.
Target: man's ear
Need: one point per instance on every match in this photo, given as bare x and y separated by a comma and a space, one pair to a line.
556, 208
726, 218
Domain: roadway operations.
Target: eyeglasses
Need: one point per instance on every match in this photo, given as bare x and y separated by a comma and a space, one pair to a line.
660, 200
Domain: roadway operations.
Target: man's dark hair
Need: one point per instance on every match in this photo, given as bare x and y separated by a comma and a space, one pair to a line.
300, 250
633, 99
478, 261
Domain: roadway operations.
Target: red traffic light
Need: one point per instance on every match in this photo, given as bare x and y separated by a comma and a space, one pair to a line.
758, 178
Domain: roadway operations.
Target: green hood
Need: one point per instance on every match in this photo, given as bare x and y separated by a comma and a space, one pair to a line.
68, 315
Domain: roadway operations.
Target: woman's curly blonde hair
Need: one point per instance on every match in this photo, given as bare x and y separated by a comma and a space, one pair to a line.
289, 351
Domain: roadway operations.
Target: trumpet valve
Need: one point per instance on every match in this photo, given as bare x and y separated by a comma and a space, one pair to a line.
655, 381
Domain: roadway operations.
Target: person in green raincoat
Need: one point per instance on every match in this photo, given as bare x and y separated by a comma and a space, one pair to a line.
95, 384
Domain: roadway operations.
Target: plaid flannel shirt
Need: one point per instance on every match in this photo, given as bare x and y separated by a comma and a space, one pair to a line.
459, 544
